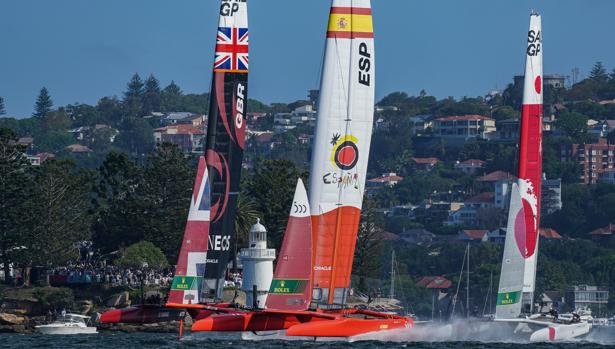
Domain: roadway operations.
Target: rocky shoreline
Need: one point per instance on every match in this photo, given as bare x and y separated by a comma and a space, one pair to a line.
21, 309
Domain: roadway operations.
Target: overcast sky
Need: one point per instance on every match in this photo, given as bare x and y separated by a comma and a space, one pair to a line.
83, 50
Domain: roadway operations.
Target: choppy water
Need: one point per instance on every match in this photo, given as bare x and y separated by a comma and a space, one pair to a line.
156, 340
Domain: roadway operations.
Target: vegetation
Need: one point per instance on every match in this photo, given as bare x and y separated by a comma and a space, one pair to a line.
141, 254
131, 195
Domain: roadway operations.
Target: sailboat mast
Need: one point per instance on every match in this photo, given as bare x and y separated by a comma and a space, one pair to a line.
468, 285
392, 290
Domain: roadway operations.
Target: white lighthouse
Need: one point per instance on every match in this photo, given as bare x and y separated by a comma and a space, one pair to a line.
257, 263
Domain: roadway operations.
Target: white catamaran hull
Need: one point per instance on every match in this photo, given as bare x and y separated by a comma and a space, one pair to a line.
546, 330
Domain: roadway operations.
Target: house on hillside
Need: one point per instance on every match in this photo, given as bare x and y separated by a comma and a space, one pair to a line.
594, 158
386, 180
424, 164
473, 235
417, 236
78, 149
468, 215
190, 139
470, 166
603, 234
183, 118
464, 127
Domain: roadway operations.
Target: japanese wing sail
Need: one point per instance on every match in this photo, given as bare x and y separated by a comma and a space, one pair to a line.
290, 288
226, 136
518, 275
341, 147
188, 280
530, 150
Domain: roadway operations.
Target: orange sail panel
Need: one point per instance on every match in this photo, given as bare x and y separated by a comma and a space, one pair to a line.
341, 147
290, 287
188, 280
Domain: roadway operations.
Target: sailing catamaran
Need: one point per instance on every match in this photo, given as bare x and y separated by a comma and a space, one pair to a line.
518, 275
337, 181
205, 250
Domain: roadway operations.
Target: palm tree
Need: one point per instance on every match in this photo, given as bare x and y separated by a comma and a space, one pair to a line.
247, 214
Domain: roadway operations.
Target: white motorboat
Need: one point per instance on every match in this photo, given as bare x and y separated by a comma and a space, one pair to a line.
68, 324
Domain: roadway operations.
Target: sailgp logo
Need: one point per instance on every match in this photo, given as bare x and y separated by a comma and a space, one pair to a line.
534, 41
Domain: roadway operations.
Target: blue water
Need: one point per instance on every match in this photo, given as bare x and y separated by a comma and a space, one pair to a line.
159, 340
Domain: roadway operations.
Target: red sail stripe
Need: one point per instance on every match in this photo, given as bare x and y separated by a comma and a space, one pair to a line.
351, 10
349, 35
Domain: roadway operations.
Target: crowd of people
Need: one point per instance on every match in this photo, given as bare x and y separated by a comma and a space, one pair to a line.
101, 273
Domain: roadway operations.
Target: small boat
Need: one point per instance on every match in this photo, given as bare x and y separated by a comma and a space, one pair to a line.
68, 324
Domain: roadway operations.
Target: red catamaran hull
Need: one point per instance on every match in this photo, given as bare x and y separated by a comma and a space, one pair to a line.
343, 323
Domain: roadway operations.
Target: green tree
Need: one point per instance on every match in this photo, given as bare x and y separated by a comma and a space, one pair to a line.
142, 253
171, 97
272, 186
2, 108
151, 95
43, 104
368, 244
15, 184
247, 214
598, 73
163, 198
573, 124
110, 109
59, 214
133, 97
117, 208
136, 137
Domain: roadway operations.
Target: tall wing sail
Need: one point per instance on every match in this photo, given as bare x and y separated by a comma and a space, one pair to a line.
508, 304
188, 280
341, 147
520, 252
290, 288
226, 136
530, 152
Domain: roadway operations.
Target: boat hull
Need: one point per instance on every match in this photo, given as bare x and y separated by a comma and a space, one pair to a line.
142, 314
55, 330
561, 332
347, 327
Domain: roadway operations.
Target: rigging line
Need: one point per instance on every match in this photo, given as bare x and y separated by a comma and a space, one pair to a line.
459, 282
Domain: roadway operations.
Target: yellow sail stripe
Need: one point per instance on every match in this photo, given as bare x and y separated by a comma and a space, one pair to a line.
358, 23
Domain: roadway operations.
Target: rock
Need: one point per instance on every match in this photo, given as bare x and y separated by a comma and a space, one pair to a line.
119, 300
12, 319
85, 306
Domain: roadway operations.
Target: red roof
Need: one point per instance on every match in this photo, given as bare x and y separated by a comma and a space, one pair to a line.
265, 137
186, 129
386, 179
549, 233
426, 161
482, 198
475, 234
463, 118
434, 282
473, 162
495, 176
608, 230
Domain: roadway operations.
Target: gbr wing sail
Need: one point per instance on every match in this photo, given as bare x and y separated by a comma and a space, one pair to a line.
226, 136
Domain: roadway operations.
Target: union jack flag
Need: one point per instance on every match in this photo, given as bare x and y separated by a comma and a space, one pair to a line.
231, 49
